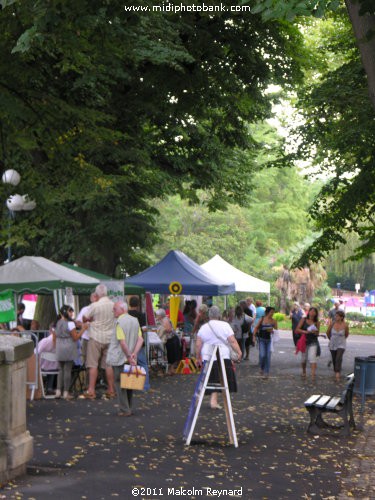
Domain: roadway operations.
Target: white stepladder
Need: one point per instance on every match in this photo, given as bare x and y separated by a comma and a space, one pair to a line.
200, 388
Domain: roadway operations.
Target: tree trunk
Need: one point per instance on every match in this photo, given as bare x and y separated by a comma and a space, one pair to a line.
364, 26
45, 312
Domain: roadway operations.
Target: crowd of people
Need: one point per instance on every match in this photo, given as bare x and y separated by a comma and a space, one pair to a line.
103, 338
111, 335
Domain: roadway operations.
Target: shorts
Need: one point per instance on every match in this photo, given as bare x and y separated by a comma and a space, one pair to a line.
311, 353
96, 354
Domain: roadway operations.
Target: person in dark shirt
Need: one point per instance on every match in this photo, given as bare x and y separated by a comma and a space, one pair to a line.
135, 312
21, 321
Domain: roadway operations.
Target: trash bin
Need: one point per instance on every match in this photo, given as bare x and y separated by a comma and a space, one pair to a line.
364, 376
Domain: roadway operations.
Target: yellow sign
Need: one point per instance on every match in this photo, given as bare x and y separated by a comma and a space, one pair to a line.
174, 303
175, 288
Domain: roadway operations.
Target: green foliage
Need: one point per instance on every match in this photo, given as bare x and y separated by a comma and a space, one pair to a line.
279, 9
341, 269
102, 111
253, 238
337, 132
289, 10
354, 316
279, 316
338, 121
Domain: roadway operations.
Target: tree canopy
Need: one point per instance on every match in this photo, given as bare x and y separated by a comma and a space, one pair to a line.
337, 133
338, 121
103, 110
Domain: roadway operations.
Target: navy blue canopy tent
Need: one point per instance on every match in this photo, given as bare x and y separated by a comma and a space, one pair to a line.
176, 266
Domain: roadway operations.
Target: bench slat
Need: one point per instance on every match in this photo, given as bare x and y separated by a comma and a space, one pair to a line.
322, 401
333, 403
312, 399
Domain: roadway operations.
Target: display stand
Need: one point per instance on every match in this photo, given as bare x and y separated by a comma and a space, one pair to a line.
187, 366
200, 388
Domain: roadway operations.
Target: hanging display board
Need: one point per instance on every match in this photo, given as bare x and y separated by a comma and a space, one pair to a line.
199, 391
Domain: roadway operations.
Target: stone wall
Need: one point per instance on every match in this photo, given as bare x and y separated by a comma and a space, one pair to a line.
16, 444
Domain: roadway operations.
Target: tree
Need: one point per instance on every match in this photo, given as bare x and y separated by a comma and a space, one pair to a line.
337, 132
349, 272
338, 122
104, 110
361, 14
253, 238
299, 284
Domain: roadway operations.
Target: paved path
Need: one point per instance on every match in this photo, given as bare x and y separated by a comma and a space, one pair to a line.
84, 451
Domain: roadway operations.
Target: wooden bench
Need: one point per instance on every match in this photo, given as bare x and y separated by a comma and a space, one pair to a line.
316, 405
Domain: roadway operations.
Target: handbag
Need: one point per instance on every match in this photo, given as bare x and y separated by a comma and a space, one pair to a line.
133, 377
232, 353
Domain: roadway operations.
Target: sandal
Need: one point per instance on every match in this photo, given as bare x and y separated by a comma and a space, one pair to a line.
88, 395
124, 414
109, 395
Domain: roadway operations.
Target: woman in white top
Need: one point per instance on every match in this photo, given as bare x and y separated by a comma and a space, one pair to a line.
338, 332
217, 332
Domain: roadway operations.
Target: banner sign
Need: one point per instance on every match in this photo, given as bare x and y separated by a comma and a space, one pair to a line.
7, 307
115, 289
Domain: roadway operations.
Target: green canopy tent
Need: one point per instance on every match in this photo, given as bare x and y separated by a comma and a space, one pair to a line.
129, 289
44, 277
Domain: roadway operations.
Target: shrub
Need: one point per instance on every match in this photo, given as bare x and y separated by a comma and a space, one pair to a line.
355, 316
279, 317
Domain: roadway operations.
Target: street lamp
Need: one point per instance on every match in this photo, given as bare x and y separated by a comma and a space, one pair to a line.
15, 202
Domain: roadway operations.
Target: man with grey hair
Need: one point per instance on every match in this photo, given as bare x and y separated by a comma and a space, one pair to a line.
126, 342
100, 315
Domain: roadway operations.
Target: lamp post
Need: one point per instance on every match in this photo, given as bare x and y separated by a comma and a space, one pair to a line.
15, 202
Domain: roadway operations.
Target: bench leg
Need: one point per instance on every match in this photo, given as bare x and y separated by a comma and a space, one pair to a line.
348, 418
316, 420
346, 426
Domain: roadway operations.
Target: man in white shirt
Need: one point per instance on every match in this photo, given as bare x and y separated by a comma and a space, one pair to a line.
80, 322
100, 315
251, 306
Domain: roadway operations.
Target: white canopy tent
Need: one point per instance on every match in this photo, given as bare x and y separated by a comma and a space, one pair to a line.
217, 266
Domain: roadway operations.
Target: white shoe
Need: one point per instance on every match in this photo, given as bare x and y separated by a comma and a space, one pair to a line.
58, 394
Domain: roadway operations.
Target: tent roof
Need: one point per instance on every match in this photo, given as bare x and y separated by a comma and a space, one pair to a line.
129, 289
176, 266
40, 275
217, 266
87, 272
